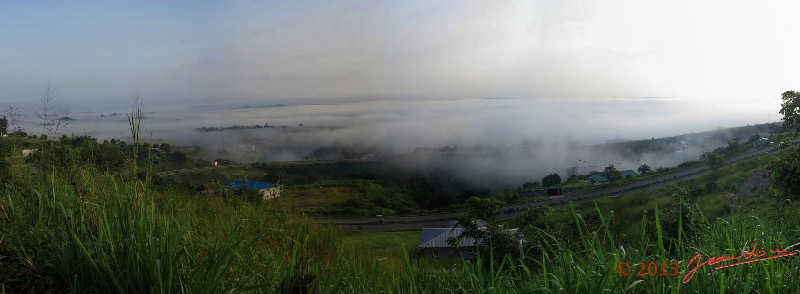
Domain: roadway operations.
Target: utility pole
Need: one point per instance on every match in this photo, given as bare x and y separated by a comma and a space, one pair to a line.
582, 165
684, 154
236, 151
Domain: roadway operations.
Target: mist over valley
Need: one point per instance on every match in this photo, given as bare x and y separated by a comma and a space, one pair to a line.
490, 143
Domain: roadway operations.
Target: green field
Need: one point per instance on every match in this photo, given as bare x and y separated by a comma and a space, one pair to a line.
76, 226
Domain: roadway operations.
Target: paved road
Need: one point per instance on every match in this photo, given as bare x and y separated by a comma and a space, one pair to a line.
408, 222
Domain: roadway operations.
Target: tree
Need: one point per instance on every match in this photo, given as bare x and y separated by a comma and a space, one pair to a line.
5, 148
644, 169
733, 147
179, 158
784, 172
507, 197
12, 113
612, 173
681, 216
166, 147
478, 223
790, 109
50, 110
3, 125
530, 185
5, 170
551, 180
713, 159
109, 157
535, 216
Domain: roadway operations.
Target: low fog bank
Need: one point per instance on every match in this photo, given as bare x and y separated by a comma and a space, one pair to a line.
495, 143
507, 167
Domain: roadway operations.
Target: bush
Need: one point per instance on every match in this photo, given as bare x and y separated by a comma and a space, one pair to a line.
682, 214
711, 187
551, 180
785, 171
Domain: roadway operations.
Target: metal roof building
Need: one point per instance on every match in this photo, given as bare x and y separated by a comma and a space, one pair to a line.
602, 178
437, 238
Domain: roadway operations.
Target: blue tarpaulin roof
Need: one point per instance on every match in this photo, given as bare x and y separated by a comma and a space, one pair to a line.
601, 177
248, 185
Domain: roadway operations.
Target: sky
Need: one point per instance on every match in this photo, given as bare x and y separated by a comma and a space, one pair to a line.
212, 51
387, 77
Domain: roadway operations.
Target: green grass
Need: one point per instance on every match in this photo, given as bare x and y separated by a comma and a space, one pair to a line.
81, 230
102, 235
386, 248
110, 239
346, 198
316, 198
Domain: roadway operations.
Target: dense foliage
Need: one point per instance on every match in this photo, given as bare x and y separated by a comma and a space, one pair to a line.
3, 125
644, 169
713, 159
786, 169
480, 224
790, 109
551, 180
786, 175
612, 173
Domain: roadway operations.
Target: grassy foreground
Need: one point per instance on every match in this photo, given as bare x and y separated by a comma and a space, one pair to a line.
81, 230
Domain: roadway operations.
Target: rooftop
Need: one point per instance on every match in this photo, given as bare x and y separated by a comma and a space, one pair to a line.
601, 177
248, 185
437, 238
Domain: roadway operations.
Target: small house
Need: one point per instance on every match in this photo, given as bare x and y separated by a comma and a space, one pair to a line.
267, 190
602, 178
434, 243
597, 178
628, 173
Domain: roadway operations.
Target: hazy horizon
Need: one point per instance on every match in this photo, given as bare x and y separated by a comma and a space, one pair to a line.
578, 120
499, 142
388, 77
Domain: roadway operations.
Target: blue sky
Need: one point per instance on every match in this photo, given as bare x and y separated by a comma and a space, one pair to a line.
211, 51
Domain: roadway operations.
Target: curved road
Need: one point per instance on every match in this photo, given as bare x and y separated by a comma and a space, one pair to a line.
407, 222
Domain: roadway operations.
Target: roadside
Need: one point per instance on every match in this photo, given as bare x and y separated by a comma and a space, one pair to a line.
408, 222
